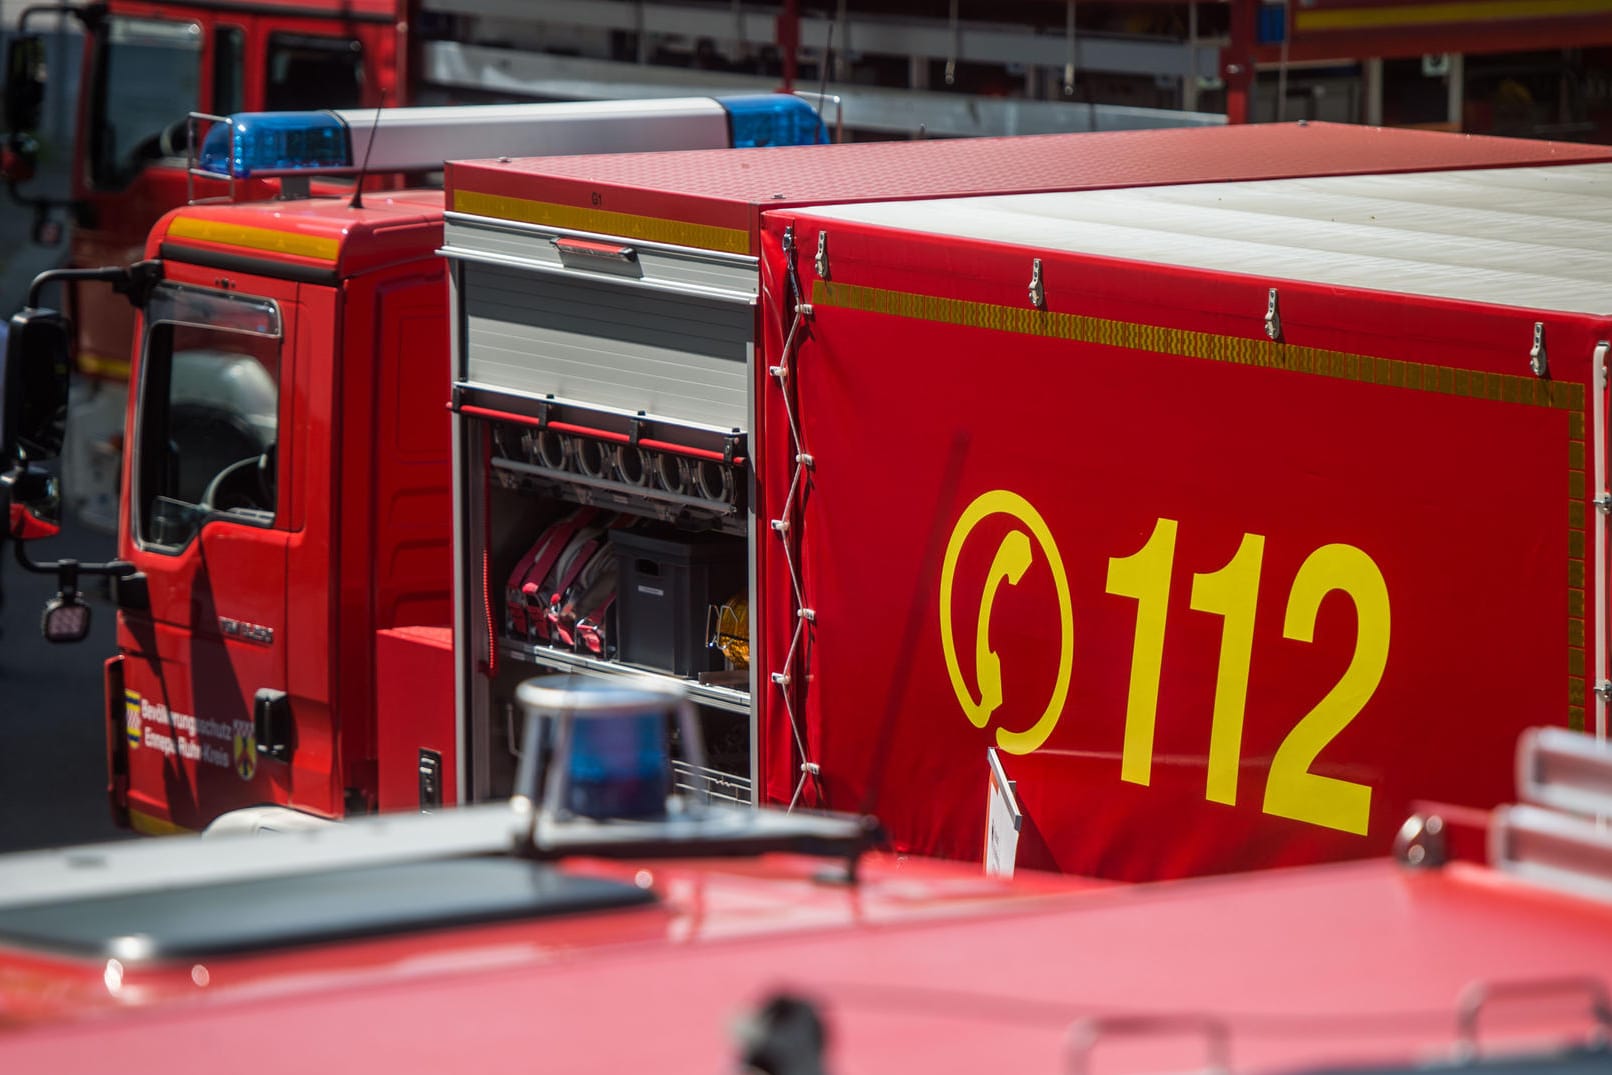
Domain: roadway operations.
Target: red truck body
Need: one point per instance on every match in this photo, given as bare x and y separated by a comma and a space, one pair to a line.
1225, 534
1116, 537
1488, 938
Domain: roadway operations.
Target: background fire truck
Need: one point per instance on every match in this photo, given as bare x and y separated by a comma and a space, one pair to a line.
284, 612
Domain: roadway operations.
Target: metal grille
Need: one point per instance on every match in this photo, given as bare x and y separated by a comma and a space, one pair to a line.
726, 787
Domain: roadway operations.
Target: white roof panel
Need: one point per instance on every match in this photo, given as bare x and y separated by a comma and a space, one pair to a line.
1538, 238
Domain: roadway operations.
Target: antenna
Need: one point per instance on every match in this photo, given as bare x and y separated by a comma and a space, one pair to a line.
828, 58
358, 190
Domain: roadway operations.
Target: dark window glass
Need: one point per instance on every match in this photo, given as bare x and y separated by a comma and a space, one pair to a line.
210, 391
148, 77
229, 70
314, 72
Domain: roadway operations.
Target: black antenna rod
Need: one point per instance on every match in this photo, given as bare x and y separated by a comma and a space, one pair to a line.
358, 190
822, 84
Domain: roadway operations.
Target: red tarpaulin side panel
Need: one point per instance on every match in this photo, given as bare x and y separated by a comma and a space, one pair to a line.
1222, 603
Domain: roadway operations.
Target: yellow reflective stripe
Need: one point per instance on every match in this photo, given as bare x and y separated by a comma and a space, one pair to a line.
1236, 350
1378, 18
265, 239
602, 222
155, 826
99, 365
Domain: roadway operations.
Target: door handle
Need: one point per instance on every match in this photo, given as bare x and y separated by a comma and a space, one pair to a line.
272, 726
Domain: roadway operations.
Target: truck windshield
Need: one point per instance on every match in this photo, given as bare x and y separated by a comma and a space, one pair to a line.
148, 74
209, 413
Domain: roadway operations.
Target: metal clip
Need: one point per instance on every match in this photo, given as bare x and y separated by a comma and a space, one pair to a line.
1537, 360
1038, 292
1604, 503
789, 240
1273, 318
635, 428
821, 262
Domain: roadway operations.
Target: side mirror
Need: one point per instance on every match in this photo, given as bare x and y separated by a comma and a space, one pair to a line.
33, 386
25, 93
25, 83
33, 500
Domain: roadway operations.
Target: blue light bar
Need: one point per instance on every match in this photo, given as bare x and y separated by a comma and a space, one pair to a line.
276, 142
773, 119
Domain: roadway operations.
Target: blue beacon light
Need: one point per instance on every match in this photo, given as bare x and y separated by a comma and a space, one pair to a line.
276, 142
772, 119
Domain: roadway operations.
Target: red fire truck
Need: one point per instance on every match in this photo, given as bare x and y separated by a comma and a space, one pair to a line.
703, 938
295, 651
1205, 516
260, 320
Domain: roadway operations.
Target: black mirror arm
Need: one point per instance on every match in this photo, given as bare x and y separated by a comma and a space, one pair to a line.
68, 571
134, 282
89, 15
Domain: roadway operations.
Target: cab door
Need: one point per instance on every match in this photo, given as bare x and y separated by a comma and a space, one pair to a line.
209, 721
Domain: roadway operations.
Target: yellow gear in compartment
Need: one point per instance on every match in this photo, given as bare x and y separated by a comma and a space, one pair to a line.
733, 630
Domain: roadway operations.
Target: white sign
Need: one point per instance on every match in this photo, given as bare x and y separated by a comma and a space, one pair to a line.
1002, 820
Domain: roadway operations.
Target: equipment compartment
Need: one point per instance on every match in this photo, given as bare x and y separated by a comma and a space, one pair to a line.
610, 553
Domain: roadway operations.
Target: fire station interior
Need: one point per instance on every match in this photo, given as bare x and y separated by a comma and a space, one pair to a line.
610, 555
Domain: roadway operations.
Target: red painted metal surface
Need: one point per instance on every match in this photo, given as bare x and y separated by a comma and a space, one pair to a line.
391, 226
413, 712
1328, 512
913, 970
729, 189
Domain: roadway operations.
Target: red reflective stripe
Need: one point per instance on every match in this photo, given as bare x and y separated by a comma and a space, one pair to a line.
594, 249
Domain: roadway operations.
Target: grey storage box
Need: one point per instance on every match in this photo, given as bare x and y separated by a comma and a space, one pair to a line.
667, 586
